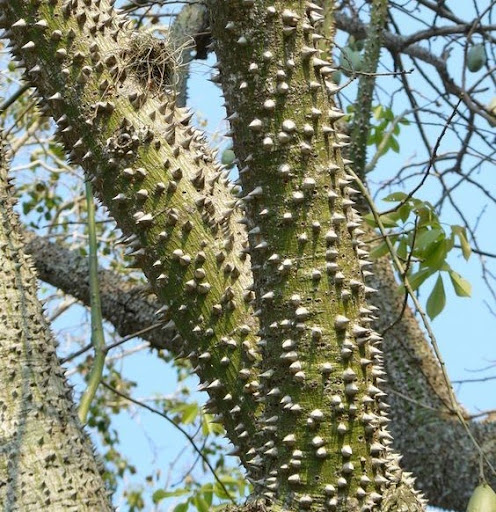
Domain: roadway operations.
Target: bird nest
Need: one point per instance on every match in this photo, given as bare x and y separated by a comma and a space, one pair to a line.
154, 62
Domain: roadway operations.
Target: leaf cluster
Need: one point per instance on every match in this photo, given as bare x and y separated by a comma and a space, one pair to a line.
424, 244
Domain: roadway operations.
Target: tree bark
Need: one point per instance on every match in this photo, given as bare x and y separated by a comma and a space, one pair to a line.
129, 306
319, 353
46, 460
434, 445
111, 92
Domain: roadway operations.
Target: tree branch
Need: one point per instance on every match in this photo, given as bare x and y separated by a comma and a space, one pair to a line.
306, 261
363, 102
400, 44
109, 89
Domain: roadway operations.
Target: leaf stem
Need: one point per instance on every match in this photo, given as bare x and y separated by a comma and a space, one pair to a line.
97, 336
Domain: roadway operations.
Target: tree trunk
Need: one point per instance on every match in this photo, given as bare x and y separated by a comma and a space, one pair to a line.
323, 441
46, 460
111, 92
416, 390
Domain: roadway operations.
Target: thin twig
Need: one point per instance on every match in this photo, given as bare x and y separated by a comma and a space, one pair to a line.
172, 422
431, 162
87, 347
8, 102
97, 334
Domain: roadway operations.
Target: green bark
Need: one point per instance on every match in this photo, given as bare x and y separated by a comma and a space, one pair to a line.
363, 103
323, 443
46, 460
109, 89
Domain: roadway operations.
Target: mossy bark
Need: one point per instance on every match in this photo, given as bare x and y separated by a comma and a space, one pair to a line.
46, 460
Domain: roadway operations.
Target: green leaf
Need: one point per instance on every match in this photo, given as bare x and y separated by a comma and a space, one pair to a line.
437, 299
402, 250
201, 504
219, 491
378, 112
462, 287
206, 424
190, 413
208, 492
209, 427
378, 251
390, 220
461, 233
425, 213
393, 144
371, 138
396, 196
436, 254
419, 277
182, 507
161, 494
426, 237
228, 482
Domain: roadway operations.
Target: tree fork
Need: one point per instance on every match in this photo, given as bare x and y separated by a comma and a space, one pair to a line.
75, 123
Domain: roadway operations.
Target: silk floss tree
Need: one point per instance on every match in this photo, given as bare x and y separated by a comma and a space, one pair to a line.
276, 321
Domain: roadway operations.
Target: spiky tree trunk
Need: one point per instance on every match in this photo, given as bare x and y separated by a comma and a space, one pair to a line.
46, 460
415, 387
324, 443
314, 392
110, 90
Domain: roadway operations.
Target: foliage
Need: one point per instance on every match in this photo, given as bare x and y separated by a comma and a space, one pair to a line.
386, 122
424, 244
